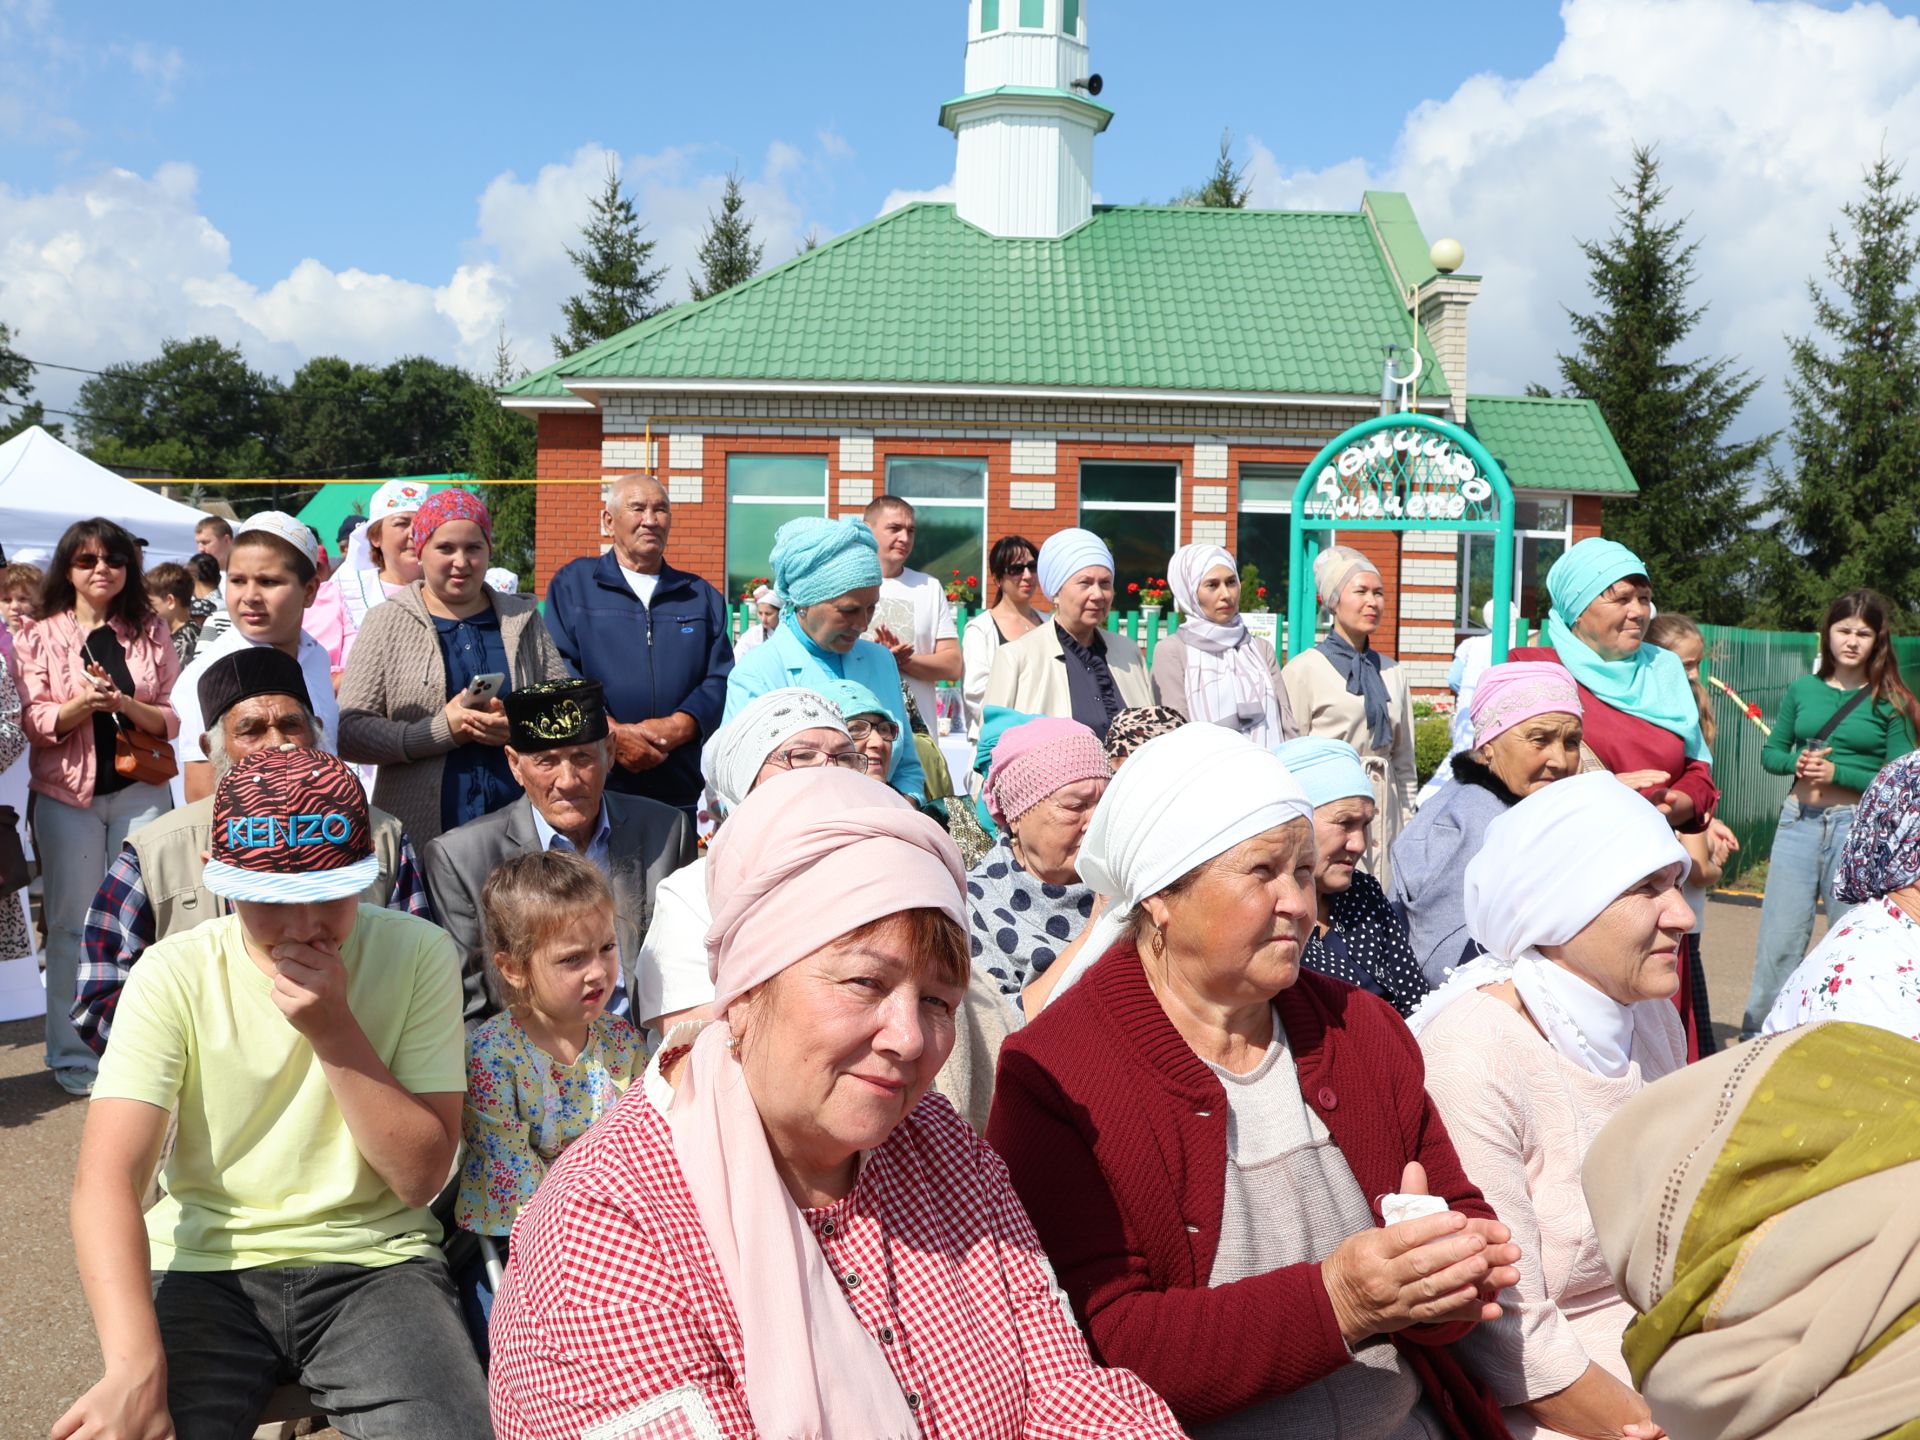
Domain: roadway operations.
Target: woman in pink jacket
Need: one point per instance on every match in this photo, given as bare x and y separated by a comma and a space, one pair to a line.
97, 660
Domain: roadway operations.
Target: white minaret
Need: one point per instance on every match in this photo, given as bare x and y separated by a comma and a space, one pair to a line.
1026, 122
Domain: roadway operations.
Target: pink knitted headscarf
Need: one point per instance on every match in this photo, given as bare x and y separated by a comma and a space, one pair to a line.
449, 505
1035, 759
1519, 690
807, 857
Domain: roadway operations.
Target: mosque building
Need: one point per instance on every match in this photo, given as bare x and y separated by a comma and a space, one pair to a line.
1023, 359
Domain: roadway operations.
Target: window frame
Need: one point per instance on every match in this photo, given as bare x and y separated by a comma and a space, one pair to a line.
1465, 617
943, 503
1131, 507
731, 499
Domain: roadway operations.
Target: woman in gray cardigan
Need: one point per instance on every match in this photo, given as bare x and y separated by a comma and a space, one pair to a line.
442, 762
1526, 734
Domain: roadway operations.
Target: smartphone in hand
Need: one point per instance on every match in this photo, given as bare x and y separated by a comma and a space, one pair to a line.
481, 689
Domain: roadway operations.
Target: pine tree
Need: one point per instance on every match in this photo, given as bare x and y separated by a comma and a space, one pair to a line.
1692, 524
809, 241
1227, 188
728, 253
1850, 508
620, 291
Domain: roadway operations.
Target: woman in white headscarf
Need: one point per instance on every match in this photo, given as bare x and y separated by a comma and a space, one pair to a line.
1345, 689
380, 559
1575, 896
1202, 1132
1211, 668
790, 729
1075, 668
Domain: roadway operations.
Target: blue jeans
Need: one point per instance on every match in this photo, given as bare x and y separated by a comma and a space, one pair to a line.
1800, 873
75, 847
383, 1350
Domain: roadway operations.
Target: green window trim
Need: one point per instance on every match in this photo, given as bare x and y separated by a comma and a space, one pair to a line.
989, 16
1070, 17
1033, 14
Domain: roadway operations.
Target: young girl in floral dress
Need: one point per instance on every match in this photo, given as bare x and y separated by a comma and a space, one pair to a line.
541, 1072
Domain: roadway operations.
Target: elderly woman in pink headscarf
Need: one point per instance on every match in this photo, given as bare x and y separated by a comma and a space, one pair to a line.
780, 1233
1212, 669
1526, 721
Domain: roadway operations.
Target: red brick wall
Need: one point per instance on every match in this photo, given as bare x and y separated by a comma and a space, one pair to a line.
1586, 517
567, 511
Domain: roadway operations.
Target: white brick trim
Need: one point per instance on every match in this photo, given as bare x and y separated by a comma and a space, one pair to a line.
856, 456
1032, 456
687, 452
1207, 532
857, 492
1210, 499
1032, 495
686, 489
627, 454
1433, 542
1209, 460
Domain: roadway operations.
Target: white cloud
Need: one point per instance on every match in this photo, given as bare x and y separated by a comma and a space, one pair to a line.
896, 198
1763, 114
104, 268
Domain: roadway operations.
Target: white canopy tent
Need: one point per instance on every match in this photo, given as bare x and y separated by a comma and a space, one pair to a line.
45, 487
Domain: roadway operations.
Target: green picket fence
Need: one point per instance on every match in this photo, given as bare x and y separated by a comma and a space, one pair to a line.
1144, 628
1758, 666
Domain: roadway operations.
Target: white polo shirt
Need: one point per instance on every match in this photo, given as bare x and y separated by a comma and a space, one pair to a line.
932, 623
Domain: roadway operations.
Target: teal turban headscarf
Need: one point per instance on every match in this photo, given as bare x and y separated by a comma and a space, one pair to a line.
852, 698
995, 722
816, 559
1327, 769
1651, 684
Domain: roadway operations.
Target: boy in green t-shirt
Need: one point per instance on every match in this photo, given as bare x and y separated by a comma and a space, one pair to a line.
314, 1049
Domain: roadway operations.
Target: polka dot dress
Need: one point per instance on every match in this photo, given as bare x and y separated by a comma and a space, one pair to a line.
1020, 924
1366, 945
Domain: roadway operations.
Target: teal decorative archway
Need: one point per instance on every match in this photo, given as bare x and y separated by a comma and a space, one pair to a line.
1398, 472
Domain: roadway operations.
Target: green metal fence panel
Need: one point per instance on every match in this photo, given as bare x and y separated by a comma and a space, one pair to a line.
1757, 666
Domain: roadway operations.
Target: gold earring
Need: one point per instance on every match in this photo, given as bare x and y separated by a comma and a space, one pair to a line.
1159, 944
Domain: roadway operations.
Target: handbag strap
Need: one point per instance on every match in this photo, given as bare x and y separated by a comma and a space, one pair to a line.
1834, 720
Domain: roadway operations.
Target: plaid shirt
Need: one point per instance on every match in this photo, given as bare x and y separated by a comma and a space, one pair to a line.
120, 927
614, 1304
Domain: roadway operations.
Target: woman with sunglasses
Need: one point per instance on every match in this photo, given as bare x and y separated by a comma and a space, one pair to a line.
98, 660
1016, 580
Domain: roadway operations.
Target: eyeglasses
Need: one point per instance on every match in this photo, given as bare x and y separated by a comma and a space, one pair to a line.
806, 757
1026, 567
862, 729
89, 560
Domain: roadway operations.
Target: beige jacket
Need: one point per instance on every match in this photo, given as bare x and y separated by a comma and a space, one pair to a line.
1322, 706
393, 698
1030, 674
173, 874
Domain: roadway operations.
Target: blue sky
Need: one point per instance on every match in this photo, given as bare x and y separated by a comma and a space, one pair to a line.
375, 180
360, 134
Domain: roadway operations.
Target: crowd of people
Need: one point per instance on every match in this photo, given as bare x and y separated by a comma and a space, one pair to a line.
561, 1019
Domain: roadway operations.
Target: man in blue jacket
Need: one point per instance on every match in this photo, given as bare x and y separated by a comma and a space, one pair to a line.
656, 640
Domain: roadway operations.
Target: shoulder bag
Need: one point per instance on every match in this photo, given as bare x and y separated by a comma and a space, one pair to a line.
140, 757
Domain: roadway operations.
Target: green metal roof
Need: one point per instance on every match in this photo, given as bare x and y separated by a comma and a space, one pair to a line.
1140, 297
1400, 232
1551, 444
1102, 115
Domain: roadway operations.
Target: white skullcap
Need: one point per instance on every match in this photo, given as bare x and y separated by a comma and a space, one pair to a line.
732, 758
1065, 554
503, 580
1554, 861
1181, 799
282, 526
397, 497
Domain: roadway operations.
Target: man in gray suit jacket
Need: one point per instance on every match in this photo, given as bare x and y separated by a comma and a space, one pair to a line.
559, 752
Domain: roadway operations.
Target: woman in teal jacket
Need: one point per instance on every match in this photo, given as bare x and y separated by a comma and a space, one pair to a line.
828, 573
1858, 674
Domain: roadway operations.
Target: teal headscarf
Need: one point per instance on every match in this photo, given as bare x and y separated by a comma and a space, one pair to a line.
816, 559
995, 722
852, 698
1651, 684
1327, 769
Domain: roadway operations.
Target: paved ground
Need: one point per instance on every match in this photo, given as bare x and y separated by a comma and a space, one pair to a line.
47, 1351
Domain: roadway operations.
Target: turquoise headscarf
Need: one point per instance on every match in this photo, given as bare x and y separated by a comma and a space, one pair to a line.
1327, 769
995, 721
1651, 684
852, 698
816, 559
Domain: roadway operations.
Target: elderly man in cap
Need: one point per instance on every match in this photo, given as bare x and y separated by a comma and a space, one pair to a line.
303, 1248
828, 573
273, 575
559, 749
654, 636
254, 698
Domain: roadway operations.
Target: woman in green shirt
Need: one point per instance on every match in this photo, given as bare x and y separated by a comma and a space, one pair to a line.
1832, 752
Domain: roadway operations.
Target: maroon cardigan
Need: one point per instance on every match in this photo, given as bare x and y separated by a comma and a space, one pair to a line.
1116, 1136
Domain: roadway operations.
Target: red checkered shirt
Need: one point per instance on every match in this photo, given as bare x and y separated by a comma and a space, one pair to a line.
613, 1297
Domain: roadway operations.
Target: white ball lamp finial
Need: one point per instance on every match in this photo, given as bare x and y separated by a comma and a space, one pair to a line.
1447, 256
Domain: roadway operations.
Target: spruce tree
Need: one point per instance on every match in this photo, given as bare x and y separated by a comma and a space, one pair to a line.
620, 291
1693, 523
1850, 505
1227, 188
16, 385
728, 253
499, 445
